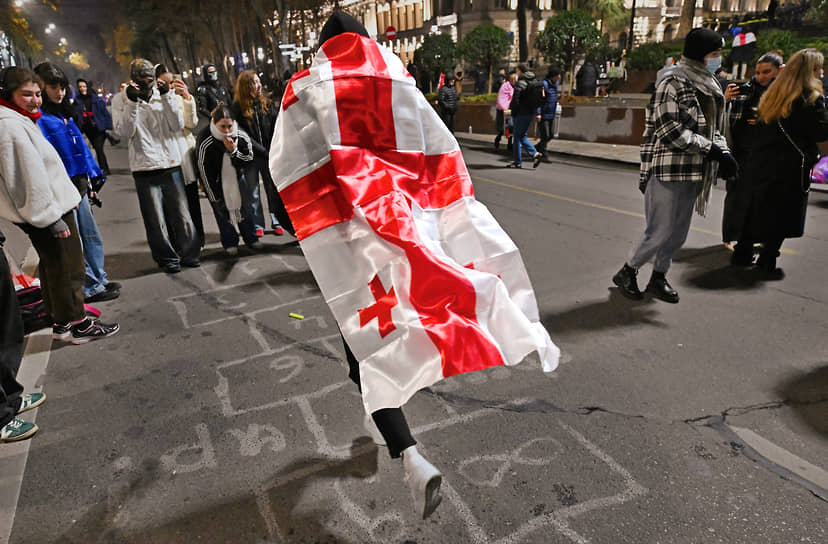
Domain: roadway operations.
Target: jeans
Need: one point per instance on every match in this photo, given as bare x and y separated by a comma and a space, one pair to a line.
521, 123
11, 345
547, 127
61, 270
278, 213
170, 231
250, 211
93, 251
194, 205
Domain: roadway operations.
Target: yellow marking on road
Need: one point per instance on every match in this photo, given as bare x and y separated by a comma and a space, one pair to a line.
595, 205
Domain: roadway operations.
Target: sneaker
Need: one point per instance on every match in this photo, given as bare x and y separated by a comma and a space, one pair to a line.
17, 429
256, 245
513, 165
278, 231
536, 160
195, 263
31, 401
232, 251
171, 268
107, 294
424, 480
61, 331
88, 330
259, 233
113, 286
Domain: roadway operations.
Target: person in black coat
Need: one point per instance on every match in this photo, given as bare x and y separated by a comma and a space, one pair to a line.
257, 115
793, 117
224, 159
447, 101
210, 93
586, 80
743, 101
95, 120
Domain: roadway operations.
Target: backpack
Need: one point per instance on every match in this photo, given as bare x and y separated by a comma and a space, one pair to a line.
535, 95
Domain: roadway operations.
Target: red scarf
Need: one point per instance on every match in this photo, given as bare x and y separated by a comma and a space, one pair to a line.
33, 116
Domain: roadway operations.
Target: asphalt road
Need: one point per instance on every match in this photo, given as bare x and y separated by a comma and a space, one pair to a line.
215, 417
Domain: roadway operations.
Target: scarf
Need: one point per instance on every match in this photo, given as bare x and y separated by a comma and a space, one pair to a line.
711, 100
64, 109
229, 190
33, 116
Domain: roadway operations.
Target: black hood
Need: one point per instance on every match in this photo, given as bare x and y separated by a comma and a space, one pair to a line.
340, 23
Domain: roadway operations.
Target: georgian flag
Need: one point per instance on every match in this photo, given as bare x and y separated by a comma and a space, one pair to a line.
420, 277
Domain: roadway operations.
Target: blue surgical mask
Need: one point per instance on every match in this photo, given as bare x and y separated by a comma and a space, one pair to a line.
713, 64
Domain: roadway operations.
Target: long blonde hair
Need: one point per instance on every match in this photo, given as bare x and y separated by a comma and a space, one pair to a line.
245, 94
796, 80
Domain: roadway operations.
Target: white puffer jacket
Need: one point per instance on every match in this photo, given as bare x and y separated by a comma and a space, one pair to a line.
153, 129
34, 185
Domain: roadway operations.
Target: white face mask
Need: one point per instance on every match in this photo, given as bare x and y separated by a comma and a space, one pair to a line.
713, 64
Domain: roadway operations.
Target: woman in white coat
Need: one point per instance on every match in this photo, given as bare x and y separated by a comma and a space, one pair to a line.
37, 195
186, 143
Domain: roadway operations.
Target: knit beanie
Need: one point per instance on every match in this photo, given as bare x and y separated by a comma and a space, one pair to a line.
339, 23
701, 41
140, 69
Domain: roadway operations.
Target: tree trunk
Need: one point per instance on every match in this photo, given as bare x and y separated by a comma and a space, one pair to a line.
688, 10
523, 40
170, 53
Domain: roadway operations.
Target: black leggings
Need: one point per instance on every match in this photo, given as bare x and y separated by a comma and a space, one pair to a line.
390, 421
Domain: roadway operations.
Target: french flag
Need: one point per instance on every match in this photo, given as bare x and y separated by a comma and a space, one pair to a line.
420, 277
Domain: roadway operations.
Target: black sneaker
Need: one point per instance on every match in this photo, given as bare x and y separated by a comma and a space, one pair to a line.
88, 330
170, 268
61, 331
536, 160
109, 293
195, 263
513, 165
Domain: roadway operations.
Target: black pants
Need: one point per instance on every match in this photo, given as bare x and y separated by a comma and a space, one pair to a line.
278, 213
62, 270
547, 127
194, 205
98, 138
448, 119
11, 345
390, 421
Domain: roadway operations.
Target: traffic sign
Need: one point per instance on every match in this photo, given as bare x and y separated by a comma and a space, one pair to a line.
390, 33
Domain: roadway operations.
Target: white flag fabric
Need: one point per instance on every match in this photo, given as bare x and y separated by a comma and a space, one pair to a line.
421, 279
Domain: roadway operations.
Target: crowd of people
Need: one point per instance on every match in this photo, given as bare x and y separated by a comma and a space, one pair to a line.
761, 137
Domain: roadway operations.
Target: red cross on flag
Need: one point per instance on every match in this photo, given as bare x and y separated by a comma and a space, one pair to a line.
422, 280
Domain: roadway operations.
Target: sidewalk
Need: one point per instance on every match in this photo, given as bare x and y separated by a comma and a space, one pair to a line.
628, 154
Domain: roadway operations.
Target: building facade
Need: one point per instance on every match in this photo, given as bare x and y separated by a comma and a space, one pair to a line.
413, 20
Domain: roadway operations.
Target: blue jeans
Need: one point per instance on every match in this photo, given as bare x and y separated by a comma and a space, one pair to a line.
521, 125
170, 231
93, 251
251, 209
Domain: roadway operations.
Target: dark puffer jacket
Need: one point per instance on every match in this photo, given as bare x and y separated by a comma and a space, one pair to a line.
447, 98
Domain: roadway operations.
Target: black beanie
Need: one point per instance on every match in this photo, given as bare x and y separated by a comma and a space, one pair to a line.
339, 23
701, 41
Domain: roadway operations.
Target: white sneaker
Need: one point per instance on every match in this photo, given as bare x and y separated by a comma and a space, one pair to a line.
373, 431
424, 480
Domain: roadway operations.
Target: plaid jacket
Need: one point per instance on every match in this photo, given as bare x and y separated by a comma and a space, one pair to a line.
675, 145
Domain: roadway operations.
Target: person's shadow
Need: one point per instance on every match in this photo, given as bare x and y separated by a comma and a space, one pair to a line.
235, 519
709, 268
807, 395
615, 312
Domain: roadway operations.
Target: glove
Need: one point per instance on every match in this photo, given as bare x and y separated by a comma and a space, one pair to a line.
133, 93
163, 88
96, 183
728, 167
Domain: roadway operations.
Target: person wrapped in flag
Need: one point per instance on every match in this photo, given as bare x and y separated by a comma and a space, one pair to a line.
423, 282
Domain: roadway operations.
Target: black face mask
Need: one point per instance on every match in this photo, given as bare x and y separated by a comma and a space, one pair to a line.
145, 85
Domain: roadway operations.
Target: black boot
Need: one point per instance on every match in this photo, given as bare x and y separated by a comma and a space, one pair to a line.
766, 266
660, 289
627, 284
742, 254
